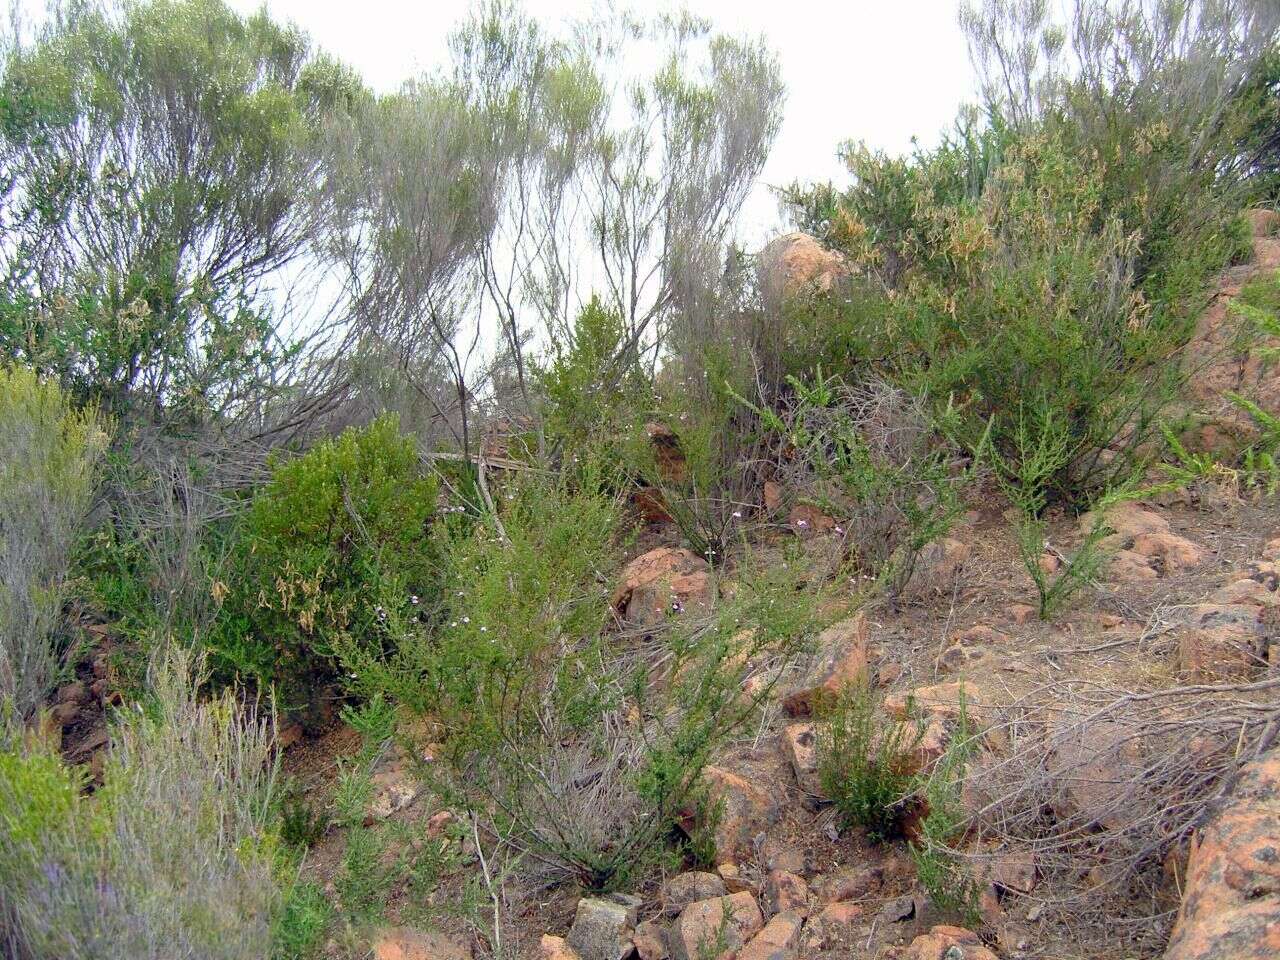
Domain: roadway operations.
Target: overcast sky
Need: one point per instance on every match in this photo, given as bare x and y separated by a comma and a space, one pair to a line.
882, 71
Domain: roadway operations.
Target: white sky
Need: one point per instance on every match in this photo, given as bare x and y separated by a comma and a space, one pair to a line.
875, 70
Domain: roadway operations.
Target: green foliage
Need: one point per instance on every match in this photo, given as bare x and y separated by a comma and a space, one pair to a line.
332, 555
593, 392
161, 159
1043, 446
302, 825
301, 925
556, 727
865, 761
48, 456
869, 458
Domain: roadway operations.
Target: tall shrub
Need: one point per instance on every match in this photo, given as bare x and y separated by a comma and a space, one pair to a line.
48, 453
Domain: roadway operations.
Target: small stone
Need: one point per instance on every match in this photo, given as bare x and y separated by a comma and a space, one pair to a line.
555, 948
841, 662
406, 944
732, 876
650, 941
290, 734
801, 741
948, 943
65, 714
842, 913
72, 693
898, 910
1021, 612
777, 941
782, 856
602, 928
851, 883
439, 822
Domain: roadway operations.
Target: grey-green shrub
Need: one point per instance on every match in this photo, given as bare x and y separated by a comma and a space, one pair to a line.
175, 856
48, 453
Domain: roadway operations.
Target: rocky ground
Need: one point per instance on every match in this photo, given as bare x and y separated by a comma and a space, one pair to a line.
1127, 791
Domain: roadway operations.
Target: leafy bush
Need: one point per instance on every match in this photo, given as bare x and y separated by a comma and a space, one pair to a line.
48, 454
1043, 448
176, 853
865, 762
332, 548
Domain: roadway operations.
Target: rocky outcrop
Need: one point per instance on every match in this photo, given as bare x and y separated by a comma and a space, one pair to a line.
1231, 908
602, 928
1214, 366
404, 943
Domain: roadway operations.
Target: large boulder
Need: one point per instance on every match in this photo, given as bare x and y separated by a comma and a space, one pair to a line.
795, 264
661, 583
1231, 908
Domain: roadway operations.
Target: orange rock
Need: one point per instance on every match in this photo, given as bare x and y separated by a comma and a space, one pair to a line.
406, 944
785, 892
1231, 907
948, 943
777, 941
841, 913
808, 521
662, 582
1222, 641
795, 264
715, 928
841, 662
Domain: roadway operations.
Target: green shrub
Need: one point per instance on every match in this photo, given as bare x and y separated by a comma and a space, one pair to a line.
869, 457
593, 394
865, 761
334, 550
302, 923
550, 725
48, 453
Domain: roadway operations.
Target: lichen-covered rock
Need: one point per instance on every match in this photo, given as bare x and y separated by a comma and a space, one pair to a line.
715, 928
602, 928
661, 583
1231, 908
